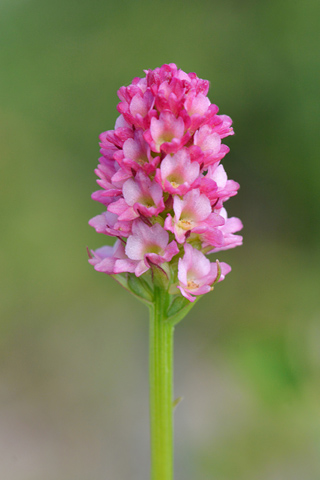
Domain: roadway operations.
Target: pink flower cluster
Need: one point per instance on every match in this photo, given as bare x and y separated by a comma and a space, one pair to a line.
162, 183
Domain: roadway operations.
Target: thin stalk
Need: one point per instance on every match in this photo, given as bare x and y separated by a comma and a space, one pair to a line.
161, 388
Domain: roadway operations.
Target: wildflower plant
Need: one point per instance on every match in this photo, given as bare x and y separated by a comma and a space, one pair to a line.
163, 191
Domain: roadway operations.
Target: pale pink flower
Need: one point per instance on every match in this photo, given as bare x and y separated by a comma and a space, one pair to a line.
110, 180
136, 154
209, 142
106, 171
149, 244
112, 260
216, 186
109, 224
210, 236
192, 213
141, 196
137, 110
221, 124
196, 273
199, 109
111, 140
177, 173
197, 104
171, 96
121, 122
230, 227
166, 134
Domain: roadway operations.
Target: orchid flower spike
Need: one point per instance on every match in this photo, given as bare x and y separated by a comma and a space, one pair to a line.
163, 187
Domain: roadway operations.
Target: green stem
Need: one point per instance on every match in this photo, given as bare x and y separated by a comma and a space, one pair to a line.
161, 388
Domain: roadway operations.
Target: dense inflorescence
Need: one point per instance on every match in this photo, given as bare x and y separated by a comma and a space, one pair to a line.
163, 186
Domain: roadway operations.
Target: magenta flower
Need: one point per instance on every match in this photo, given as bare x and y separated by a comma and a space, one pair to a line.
162, 183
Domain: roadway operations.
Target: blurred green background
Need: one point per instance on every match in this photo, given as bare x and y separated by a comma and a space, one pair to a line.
73, 345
